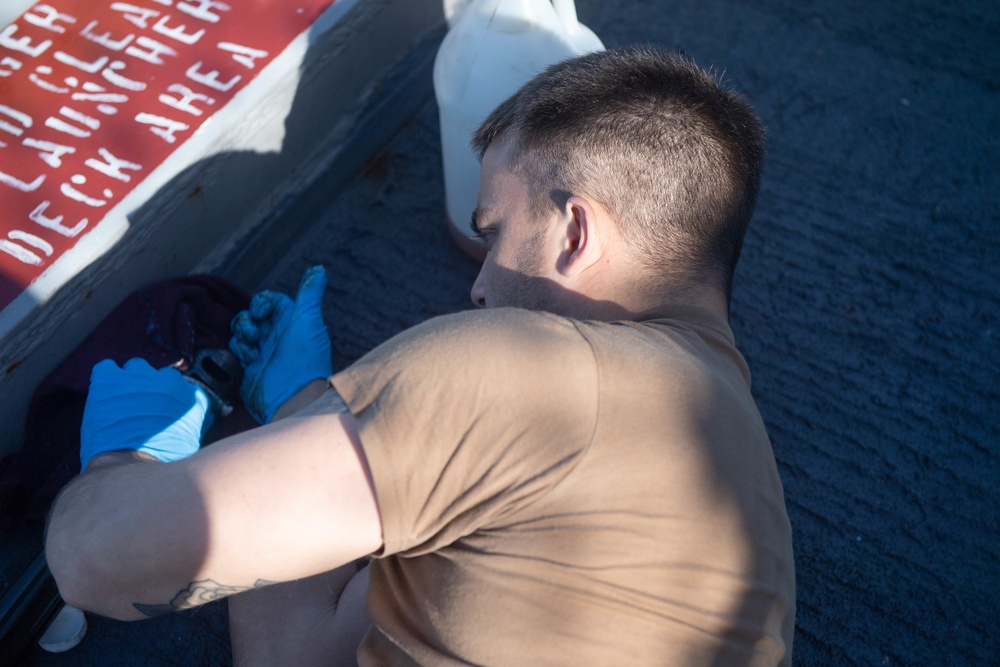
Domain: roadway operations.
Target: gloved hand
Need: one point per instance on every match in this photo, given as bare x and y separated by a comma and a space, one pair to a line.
138, 407
282, 344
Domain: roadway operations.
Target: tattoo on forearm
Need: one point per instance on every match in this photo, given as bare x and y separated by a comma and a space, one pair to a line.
197, 593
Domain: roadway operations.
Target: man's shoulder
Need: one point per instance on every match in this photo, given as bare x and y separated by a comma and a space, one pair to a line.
481, 343
520, 331
499, 326
506, 316
677, 342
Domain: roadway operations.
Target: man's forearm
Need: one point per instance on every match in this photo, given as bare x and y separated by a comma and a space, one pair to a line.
132, 538
114, 490
113, 528
116, 458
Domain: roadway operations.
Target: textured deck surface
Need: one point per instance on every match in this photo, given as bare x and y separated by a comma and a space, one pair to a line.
866, 304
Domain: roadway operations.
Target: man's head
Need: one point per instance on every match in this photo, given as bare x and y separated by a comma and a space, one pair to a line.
648, 139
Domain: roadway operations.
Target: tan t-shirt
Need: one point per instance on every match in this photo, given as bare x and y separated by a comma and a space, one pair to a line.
557, 492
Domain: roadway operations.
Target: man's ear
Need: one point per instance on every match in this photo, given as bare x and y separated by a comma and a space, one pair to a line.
584, 236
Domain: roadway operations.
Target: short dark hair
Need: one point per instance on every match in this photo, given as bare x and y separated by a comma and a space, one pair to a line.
672, 154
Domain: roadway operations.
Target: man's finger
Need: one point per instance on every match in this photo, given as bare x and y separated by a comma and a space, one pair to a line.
246, 336
262, 304
312, 287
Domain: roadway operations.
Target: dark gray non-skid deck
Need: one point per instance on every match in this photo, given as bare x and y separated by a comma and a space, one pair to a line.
866, 305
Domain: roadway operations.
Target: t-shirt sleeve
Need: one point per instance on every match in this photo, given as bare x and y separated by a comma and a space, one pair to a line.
467, 418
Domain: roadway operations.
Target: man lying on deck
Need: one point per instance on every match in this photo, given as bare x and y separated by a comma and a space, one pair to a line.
574, 474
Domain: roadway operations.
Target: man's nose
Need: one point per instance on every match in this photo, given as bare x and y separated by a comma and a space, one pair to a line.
478, 293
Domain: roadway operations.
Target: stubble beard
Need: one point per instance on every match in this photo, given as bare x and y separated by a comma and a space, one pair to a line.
523, 287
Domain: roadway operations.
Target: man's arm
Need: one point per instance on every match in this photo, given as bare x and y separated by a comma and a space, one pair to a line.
131, 538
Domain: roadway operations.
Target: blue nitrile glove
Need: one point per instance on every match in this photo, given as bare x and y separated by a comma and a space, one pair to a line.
282, 344
137, 407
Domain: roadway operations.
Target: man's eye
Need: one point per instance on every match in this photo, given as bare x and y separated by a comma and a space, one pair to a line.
484, 237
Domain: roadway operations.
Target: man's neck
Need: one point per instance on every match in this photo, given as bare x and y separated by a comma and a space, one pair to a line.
638, 301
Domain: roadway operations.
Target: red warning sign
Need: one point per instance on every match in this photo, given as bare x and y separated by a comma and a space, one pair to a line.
95, 95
